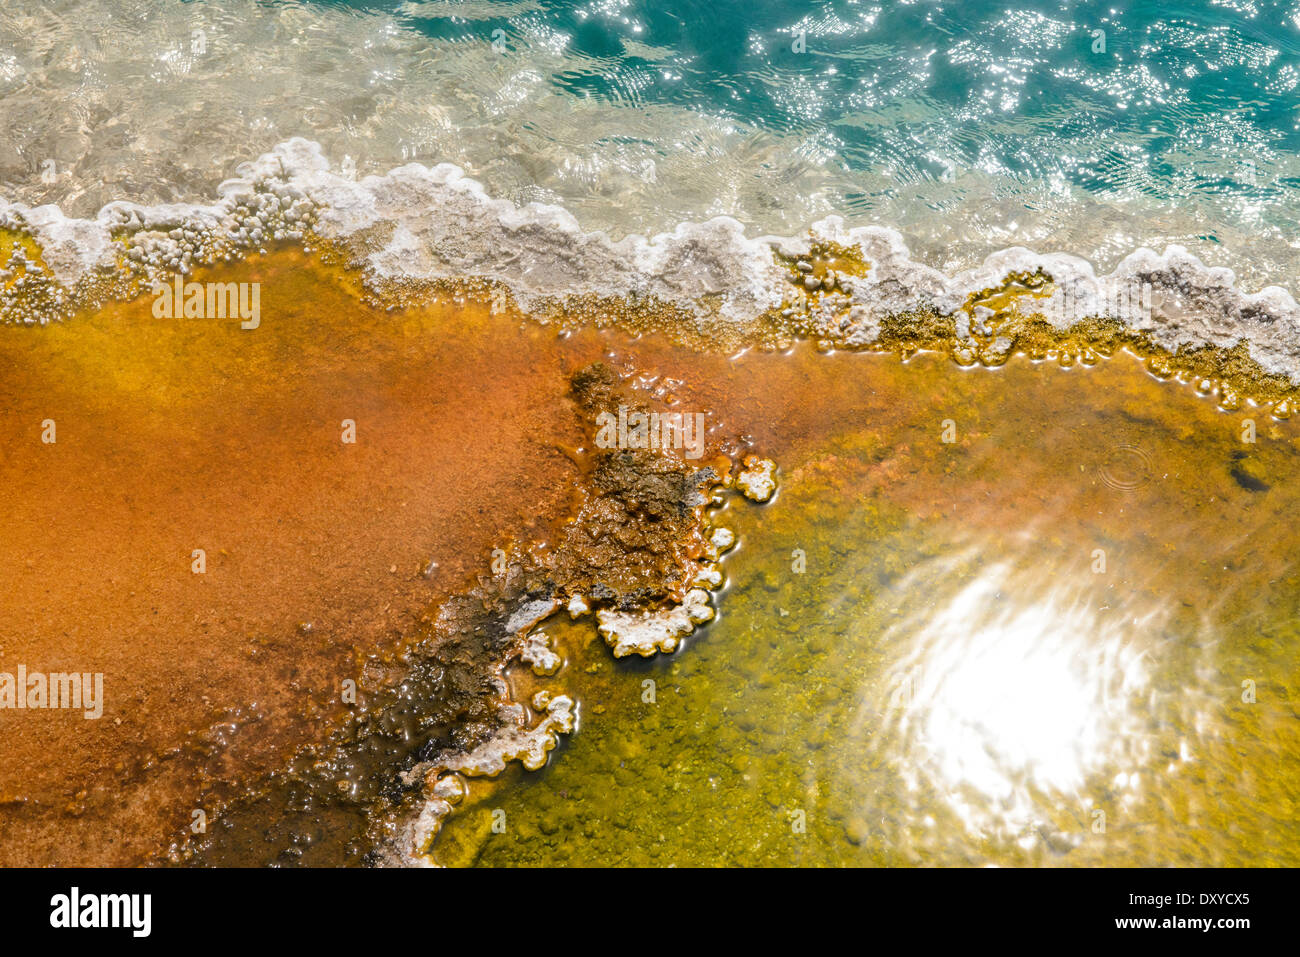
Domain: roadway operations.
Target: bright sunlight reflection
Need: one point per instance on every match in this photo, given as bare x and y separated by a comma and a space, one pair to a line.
1017, 685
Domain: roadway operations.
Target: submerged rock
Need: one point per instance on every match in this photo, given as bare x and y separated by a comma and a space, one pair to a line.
648, 632
757, 481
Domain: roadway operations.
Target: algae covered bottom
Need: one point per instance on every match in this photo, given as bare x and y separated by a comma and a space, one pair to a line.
1017, 616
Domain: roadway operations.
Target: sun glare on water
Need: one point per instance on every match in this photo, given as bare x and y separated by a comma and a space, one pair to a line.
1017, 687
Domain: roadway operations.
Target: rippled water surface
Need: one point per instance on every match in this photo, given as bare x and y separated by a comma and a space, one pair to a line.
1091, 128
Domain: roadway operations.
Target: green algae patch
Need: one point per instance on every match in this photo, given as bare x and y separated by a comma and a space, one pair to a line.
966, 653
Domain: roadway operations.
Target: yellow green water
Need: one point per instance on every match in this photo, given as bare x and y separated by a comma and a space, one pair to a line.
1067, 637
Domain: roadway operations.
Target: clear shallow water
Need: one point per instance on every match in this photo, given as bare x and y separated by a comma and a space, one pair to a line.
928, 89
970, 127
953, 678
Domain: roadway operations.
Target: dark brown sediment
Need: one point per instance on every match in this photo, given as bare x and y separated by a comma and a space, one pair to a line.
175, 435
633, 540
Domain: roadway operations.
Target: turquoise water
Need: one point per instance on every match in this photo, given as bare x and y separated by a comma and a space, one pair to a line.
1166, 100
926, 89
969, 127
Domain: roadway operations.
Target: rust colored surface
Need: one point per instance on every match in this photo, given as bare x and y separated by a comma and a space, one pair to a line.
176, 435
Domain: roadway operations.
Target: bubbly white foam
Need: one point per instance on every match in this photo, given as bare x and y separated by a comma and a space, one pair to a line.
417, 222
183, 92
